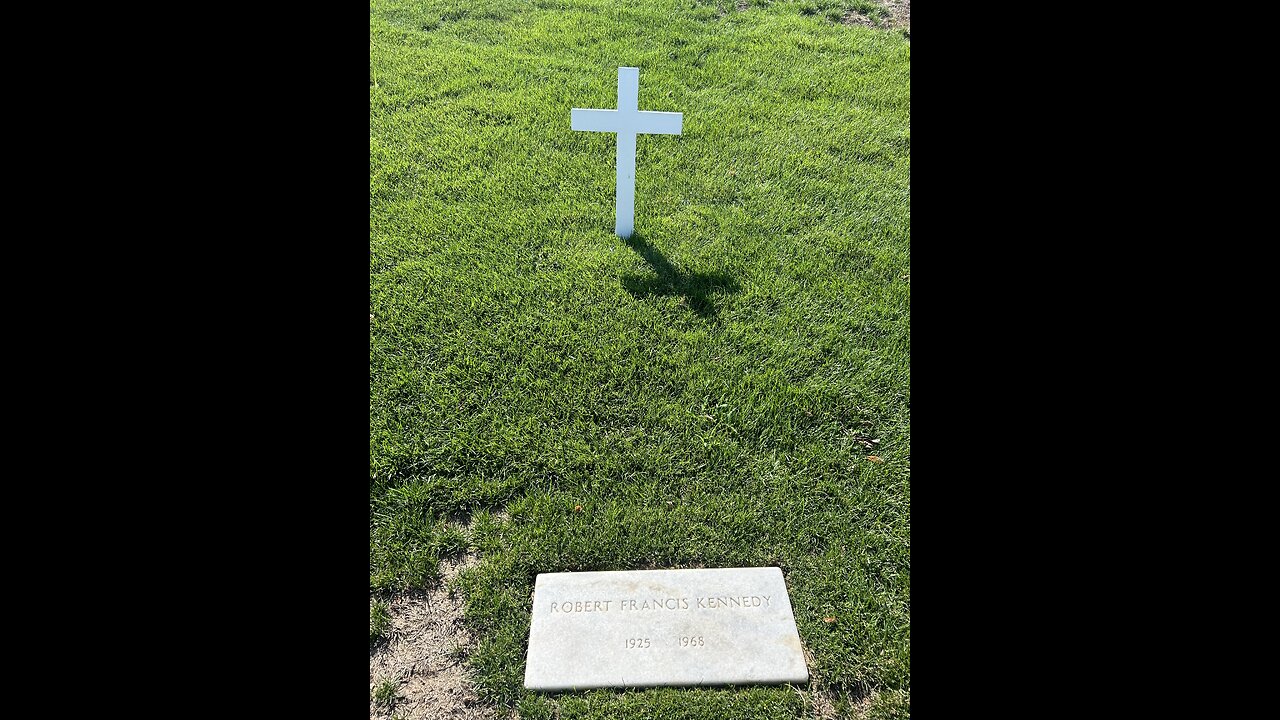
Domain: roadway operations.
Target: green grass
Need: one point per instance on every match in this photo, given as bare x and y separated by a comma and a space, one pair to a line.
835, 10
708, 391
379, 621
385, 694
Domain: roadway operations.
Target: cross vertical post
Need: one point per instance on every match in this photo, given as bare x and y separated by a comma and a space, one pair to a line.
625, 196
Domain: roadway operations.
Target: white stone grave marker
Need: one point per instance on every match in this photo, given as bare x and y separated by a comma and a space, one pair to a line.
641, 628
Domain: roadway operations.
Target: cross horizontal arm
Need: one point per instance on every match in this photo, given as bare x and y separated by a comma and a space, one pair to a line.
658, 123
593, 120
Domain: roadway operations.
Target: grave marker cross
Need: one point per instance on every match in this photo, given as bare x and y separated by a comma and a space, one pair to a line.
627, 121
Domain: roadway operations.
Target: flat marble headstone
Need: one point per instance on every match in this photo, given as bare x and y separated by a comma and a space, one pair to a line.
642, 628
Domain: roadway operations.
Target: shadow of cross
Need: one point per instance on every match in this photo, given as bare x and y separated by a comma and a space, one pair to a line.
697, 288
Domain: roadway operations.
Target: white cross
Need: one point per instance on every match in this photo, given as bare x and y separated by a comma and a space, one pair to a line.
627, 120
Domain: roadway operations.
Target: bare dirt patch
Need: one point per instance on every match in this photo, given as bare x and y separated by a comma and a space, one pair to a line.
823, 708
899, 13
854, 17
897, 16
425, 655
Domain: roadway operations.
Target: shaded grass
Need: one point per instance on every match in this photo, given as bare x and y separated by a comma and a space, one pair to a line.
707, 391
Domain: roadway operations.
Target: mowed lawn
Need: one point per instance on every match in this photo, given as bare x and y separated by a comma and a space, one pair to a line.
730, 387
